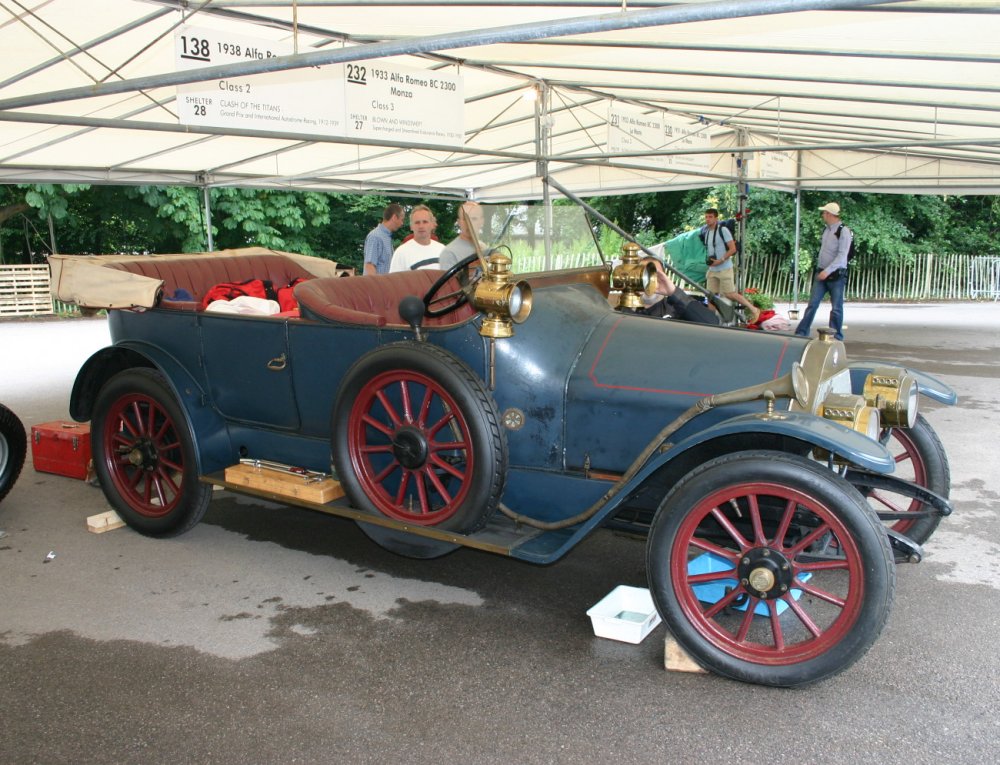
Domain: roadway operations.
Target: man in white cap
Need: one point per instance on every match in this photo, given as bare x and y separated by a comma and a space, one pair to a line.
831, 272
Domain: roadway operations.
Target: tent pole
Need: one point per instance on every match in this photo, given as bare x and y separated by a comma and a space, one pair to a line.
208, 218
542, 104
742, 191
52, 235
795, 255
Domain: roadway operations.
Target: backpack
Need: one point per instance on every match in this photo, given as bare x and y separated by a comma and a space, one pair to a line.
854, 241
729, 223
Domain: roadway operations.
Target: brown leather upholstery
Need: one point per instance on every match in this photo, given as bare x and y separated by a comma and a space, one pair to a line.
373, 300
198, 275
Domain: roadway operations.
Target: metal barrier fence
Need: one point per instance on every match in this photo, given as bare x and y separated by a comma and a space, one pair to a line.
928, 277
24, 291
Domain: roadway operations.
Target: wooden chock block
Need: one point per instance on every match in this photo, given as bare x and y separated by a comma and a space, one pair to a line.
102, 522
284, 484
676, 659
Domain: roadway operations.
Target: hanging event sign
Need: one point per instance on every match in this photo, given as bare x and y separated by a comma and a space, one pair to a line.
679, 133
634, 130
371, 99
385, 101
776, 164
293, 101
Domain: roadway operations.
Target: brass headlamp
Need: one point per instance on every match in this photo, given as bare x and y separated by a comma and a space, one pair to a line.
503, 301
633, 278
894, 394
853, 412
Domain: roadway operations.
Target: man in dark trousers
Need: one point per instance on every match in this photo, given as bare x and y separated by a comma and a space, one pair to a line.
831, 272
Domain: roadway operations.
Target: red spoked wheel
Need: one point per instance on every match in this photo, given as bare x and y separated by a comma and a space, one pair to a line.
921, 459
416, 438
144, 455
769, 571
411, 447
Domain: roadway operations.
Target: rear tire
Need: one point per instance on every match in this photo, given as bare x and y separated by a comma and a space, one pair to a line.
416, 438
145, 456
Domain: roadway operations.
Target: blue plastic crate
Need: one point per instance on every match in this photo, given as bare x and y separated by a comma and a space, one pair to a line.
713, 592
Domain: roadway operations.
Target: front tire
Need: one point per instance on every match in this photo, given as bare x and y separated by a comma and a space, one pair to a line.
145, 456
770, 569
13, 447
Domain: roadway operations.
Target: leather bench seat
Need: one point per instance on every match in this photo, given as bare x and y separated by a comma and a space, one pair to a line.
373, 300
197, 275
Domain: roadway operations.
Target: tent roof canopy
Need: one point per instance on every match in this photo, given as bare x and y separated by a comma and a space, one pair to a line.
850, 95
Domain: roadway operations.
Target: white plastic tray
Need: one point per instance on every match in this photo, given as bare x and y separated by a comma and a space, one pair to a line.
626, 614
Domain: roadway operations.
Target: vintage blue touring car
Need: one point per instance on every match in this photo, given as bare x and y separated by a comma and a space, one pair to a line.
776, 480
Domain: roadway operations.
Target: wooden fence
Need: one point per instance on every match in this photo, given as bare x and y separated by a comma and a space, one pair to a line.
928, 277
24, 290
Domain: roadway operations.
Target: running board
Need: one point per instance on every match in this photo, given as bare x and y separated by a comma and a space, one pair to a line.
500, 535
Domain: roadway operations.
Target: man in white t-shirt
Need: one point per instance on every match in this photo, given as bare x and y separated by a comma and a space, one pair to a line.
421, 251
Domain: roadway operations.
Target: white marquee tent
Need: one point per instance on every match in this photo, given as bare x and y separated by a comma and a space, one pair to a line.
486, 98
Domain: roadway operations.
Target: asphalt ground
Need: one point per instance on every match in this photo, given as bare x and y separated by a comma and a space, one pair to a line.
270, 634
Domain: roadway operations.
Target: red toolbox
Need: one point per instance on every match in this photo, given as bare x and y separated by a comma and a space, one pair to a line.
61, 447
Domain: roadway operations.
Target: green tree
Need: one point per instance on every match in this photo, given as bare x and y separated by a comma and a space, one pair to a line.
658, 213
35, 205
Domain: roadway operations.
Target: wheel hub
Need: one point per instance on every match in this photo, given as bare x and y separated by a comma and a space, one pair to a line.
765, 573
143, 455
409, 446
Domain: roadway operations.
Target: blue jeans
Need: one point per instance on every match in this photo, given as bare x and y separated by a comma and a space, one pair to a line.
819, 289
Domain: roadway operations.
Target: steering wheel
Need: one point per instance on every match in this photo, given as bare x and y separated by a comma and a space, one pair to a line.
461, 296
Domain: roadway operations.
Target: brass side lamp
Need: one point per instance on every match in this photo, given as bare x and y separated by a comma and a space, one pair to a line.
633, 278
502, 301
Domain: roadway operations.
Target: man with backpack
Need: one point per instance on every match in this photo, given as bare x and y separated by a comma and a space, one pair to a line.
830, 274
721, 277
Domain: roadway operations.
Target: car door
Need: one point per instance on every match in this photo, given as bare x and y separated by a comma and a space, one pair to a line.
247, 369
